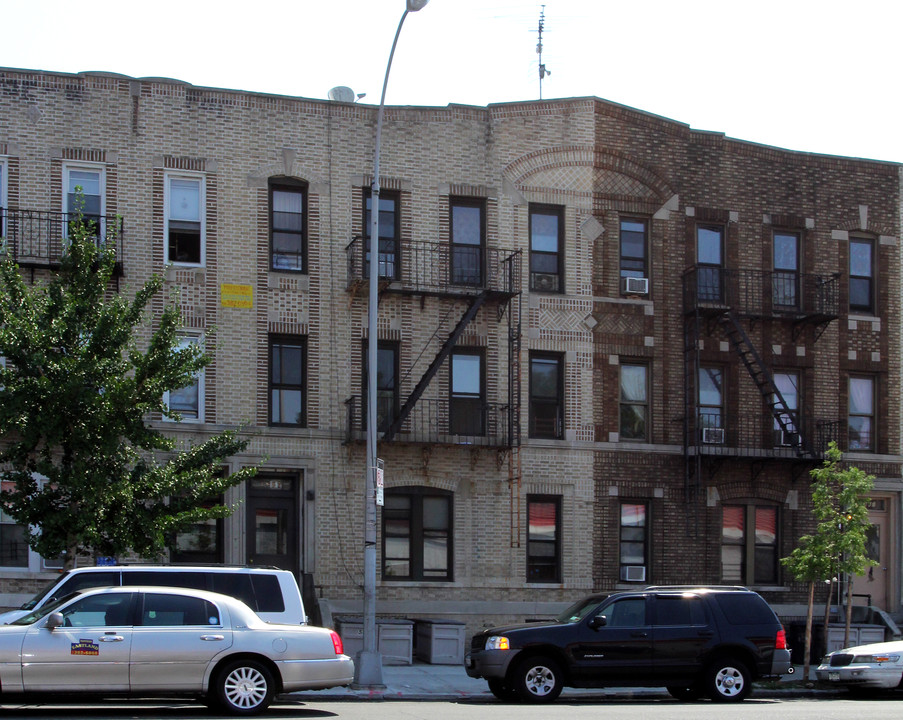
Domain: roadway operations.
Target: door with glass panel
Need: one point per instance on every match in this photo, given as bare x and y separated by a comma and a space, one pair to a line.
273, 521
786, 275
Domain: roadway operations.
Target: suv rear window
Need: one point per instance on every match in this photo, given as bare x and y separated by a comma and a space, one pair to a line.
165, 578
269, 594
745, 609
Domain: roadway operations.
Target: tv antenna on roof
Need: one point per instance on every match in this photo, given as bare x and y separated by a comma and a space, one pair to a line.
542, 68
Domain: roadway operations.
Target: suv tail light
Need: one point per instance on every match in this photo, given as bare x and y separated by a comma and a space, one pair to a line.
780, 640
337, 643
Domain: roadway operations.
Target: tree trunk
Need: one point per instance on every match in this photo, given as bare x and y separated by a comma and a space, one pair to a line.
807, 644
824, 650
849, 609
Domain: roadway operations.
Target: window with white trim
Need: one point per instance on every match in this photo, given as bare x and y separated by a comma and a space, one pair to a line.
184, 202
188, 401
90, 181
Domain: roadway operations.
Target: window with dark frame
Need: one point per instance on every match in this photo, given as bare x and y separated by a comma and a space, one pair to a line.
387, 400
543, 538
288, 225
862, 275
634, 542
710, 263
546, 396
468, 400
633, 244
634, 402
468, 239
546, 248
184, 223
788, 384
711, 404
200, 542
389, 250
861, 413
288, 380
786, 275
749, 544
417, 535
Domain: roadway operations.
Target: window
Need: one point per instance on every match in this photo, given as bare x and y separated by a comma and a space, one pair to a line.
389, 234
467, 393
468, 233
633, 242
386, 385
288, 229
634, 402
13, 545
189, 400
629, 612
711, 404
861, 418
788, 384
710, 263
90, 181
110, 610
634, 556
749, 546
786, 276
200, 542
862, 273
288, 381
185, 224
673, 610
4, 184
546, 248
543, 539
546, 396
417, 538
177, 611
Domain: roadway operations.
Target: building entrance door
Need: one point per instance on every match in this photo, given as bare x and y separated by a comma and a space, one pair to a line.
877, 579
274, 521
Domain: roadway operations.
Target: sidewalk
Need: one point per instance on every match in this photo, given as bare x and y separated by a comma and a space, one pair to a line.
422, 681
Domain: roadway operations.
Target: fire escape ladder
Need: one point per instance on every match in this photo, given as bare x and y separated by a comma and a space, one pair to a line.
692, 461
761, 376
431, 371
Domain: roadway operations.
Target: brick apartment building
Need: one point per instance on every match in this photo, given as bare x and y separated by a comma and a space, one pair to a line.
610, 347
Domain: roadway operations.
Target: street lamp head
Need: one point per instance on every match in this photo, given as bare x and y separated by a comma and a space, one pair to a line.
415, 5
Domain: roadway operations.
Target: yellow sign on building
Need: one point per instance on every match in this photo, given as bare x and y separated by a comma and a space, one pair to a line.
236, 296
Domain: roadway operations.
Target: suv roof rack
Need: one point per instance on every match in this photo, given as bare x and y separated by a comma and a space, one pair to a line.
696, 587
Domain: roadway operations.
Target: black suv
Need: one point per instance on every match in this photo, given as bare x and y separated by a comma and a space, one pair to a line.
694, 641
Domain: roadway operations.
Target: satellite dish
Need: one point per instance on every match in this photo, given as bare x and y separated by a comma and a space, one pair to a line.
342, 94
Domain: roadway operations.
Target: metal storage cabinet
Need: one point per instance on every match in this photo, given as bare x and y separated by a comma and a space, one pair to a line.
440, 642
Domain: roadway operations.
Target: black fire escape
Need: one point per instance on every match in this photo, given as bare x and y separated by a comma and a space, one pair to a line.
472, 279
728, 304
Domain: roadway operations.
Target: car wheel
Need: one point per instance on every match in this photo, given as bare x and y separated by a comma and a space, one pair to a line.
537, 679
687, 694
244, 687
501, 690
727, 680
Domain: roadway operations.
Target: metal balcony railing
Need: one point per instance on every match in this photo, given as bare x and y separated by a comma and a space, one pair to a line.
758, 293
440, 421
436, 268
38, 238
752, 435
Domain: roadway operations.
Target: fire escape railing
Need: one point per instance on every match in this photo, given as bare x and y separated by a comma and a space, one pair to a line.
39, 238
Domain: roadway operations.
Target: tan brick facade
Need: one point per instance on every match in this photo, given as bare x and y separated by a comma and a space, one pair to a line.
598, 161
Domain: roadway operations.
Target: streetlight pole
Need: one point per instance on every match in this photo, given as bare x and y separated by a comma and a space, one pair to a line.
368, 668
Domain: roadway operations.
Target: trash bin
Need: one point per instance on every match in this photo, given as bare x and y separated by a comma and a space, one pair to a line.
394, 638
440, 642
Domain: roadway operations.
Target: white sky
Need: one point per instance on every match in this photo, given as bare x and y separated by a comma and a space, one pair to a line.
814, 75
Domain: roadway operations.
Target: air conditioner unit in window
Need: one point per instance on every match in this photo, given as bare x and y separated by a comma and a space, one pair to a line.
633, 573
713, 436
544, 282
787, 439
635, 285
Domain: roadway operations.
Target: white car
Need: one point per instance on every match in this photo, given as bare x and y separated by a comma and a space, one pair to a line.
153, 641
878, 666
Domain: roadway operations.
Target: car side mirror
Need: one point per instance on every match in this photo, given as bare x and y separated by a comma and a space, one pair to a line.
54, 620
598, 621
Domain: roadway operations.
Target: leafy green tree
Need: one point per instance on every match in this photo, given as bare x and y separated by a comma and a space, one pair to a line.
838, 545
82, 469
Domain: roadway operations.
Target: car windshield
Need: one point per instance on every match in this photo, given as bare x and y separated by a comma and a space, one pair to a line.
29, 604
580, 609
43, 611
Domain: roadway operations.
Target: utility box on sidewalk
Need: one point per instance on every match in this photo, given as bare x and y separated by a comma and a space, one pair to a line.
440, 642
394, 638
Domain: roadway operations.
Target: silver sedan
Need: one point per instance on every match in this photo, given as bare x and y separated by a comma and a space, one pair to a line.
151, 641
877, 666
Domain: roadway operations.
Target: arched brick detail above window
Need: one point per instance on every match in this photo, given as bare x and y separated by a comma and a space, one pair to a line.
587, 169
